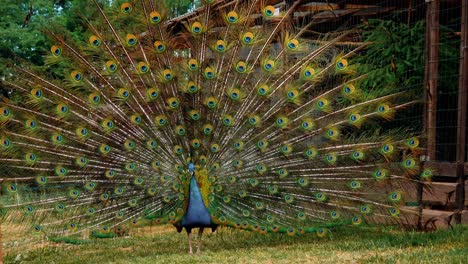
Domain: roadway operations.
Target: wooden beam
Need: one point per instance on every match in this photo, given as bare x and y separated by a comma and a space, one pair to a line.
435, 193
432, 47
331, 14
462, 108
447, 169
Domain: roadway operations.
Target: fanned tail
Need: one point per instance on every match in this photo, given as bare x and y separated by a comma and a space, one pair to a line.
282, 136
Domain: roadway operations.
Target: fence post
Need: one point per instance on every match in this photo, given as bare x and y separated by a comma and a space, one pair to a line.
431, 66
432, 22
461, 122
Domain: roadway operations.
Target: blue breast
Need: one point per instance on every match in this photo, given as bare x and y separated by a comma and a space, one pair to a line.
196, 215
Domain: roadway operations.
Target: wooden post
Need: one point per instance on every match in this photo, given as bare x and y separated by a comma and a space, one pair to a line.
462, 108
431, 58
431, 85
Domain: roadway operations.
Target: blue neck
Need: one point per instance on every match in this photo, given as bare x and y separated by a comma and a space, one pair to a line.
196, 215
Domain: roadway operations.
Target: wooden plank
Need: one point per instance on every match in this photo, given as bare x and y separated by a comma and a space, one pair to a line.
435, 193
446, 169
334, 14
318, 7
436, 219
430, 219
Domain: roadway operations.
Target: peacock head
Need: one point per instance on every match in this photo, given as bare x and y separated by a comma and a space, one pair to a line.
191, 167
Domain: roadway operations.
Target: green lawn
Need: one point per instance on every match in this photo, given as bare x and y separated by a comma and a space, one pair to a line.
346, 245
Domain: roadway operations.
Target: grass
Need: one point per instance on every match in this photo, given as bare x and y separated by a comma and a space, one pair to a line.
161, 244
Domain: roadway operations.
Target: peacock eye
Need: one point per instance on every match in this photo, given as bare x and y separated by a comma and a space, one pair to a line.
155, 17
56, 51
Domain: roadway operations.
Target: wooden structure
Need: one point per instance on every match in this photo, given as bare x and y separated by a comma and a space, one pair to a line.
442, 202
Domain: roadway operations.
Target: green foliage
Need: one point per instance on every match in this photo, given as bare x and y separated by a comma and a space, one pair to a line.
180, 7
23, 39
394, 59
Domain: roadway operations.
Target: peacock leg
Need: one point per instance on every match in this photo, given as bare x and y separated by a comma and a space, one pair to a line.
200, 233
189, 235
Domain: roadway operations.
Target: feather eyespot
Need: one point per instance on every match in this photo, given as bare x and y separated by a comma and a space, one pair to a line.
241, 67
196, 28
131, 40
207, 129
57, 138
193, 64
160, 120
248, 38
167, 75
94, 99
173, 102
76, 76
209, 73
36, 93
341, 64
195, 115
269, 11
160, 46
155, 17
126, 8
232, 17
136, 119
292, 44
123, 93
143, 67
220, 46
195, 143
111, 66
62, 109
192, 88
56, 50
152, 94
348, 89
214, 148
269, 65
211, 102
5, 111
227, 120
95, 41
6, 143
178, 150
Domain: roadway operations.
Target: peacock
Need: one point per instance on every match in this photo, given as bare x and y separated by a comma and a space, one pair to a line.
229, 118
